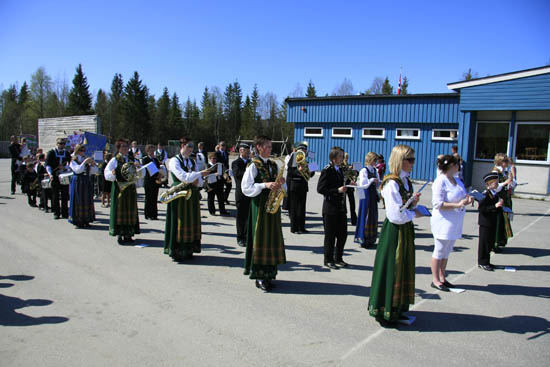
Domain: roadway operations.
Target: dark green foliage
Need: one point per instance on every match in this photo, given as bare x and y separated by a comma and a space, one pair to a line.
311, 90
80, 100
386, 87
136, 114
469, 75
405, 86
102, 106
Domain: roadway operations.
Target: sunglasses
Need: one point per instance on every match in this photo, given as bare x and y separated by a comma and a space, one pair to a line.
411, 160
190, 145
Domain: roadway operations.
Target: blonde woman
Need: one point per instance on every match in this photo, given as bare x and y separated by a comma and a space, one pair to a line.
392, 288
367, 221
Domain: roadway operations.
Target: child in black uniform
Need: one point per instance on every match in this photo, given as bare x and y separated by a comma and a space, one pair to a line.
30, 179
489, 208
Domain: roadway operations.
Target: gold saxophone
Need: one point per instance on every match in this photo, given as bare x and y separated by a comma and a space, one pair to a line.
302, 162
176, 192
275, 198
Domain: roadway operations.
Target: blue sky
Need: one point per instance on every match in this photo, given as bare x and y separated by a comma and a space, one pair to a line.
187, 45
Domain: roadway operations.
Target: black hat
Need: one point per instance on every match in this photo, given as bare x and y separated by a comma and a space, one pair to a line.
244, 146
490, 176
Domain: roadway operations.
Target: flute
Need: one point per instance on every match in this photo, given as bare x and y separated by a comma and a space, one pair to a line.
412, 198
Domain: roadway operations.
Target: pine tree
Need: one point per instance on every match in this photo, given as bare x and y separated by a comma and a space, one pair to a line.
102, 106
116, 111
310, 93
254, 102
161, 124
248, 120
136, 114
405, 86
41, 86
387, 88
80, 100
175, 121
469, 75
9, 121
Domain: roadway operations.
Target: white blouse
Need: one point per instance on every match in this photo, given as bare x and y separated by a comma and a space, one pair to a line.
112, 165
364, 179
78, 167
447, 223
248, 186
393, 201
174, 166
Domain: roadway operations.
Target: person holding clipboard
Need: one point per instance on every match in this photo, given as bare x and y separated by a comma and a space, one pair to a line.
449, 197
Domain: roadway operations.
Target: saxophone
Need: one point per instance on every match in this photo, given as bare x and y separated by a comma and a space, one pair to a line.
301, 162
276, 197
349, 173
176, 192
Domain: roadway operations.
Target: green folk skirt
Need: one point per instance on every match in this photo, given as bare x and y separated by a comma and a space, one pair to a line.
392, 288
124, 219
265, 246
182, 235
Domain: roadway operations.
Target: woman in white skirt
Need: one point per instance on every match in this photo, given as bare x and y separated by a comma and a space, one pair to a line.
449, 197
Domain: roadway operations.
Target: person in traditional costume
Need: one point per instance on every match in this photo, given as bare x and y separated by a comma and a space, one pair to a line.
135, 151
182, 235
332, 186
124, 221
162, 157
15, 151
392, 287
151, 184
504, 225
449, 198
45, 192
81, 204
297, 190
366, 231
490, 207
265, 247
242, 202
57, 162
350, 192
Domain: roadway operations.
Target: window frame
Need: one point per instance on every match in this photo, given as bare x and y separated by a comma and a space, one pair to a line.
547, 161
342, 136
383, 136
408, 137
475, 140
438, 138
314, 135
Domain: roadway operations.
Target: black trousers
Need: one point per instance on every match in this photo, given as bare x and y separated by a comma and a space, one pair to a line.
31, 196
60, 201
297, 210
216, 193
351, 199
45, 195
487, 237
151, 197
243, 210
336, 230
13, 174
228, 186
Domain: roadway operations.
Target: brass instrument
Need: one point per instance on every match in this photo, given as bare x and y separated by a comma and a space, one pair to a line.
130, 173
176, 192
227, 177
349, 173
162, 175
302, 162
275, 198
35, 185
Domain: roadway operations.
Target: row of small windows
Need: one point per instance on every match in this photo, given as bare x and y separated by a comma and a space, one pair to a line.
380, 133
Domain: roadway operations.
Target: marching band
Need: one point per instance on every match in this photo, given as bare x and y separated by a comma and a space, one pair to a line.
259, 192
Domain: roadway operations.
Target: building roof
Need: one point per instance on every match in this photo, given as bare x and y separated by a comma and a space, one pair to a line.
372, 96
499, 78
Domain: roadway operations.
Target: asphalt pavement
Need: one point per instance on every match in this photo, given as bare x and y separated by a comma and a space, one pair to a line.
74, 297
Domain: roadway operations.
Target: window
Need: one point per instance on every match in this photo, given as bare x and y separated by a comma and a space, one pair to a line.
444, 134
491, 138
342, 132
532, 141
374, 133
313, 132
411, 134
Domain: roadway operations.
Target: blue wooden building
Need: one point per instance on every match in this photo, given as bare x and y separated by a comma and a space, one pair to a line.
507, 113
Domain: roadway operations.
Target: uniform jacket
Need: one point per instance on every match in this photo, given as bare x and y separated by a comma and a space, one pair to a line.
329, 182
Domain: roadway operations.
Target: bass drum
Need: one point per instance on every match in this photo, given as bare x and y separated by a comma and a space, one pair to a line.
65, 178
46, 183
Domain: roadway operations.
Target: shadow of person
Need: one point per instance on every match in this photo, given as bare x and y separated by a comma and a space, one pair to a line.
427, 321
6, 285
427, 270
207, 260
16, 277
9, 317
532, 252
318, 288
510, 290
223, 249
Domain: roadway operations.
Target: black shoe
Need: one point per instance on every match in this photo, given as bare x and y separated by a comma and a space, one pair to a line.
56, 217
331, 265
129, 239
386, 324
241, 243
486, 267
341, 263
295, 232
448, 285
270, 284
225, 214
120, 240
441, 287
304, 231
262, 285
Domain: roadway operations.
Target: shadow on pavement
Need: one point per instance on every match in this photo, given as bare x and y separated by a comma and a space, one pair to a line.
510, 290
444, 322
318, 288
428, 270
533, 252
